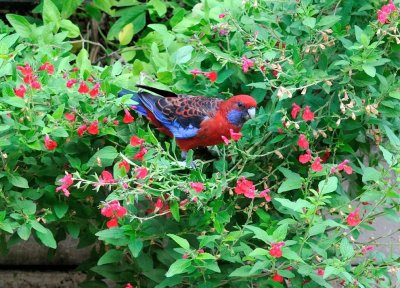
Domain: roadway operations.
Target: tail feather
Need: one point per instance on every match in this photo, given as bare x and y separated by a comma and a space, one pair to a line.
140, 108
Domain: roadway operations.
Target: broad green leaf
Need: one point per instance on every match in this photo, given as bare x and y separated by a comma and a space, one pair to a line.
280, 233
14, 101
389, 157
111, 256
183, 55
18, 181
71, 28
291, 255
328, 21
20, 24
60, 209
135, 246
51, 15
260, 234
395, 94
178, 267
69, 7
259, 252
370, 174
294, 206
243, 271
369, 69
293, 181
59, 112
73, 229
328, 185
24, 231
180, 241
126, 34
394, 140
47, 238
106, 155
174, 207
346, 249
310, 22
83, 62
37, 226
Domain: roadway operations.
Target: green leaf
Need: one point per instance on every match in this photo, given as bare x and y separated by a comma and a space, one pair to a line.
83, 62
37, 226
24, 231
243, 271
14, 101
71, 28
395, 94
178, 267
291, 255
310, 22
394, 140
294, 206
370, 174
328, 185
259, 252
135, 246
174, 208
346, 249
73, 229
280, 233
20, 24
59, 112
184, 54
106, 155
60, 209
51, 15
180, 241
389, 157
260, 234
294, 181
369, 69
69, 7
328, 21
47, 238
18, 181
111, 256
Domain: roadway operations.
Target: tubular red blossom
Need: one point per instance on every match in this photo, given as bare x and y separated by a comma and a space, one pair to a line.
20, 92
69, 116
141, 172
320, 272
139, 156
128, 118
245, 187
66, 181
49, 68
124, 164
136, 141
105, 178
367, 249
211, 75
49, 143
36, 85
81, 129
25, 70
302, 142
116, 122
246, 64
83, 88
265, 194
197, 186
112, 223
316, 165
129, 285
226, 140
295, 110
235, 135
275, 250
308, 115
93, 128
71, 83
159, 204
95, 90
195, 72
305, 158
277, 278
221, 15
354, 218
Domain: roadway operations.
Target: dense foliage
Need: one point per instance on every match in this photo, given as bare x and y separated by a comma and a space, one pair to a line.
283, 205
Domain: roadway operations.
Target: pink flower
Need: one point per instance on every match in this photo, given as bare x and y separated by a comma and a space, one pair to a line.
211, 75
124, 164
185, 256
305, 158
49, 68
128, 118
366, 249
265, 194
136, 141
226, 140
66, 182
354, 218
316, 165
36, 85
25, 71
129, 285
139, 156
195, 72
277, 278
275, 250
295, 110
246, 64
69, 116
49, 143
159, 204
235, 135
245, 187
141, 172
320, 272
95, 90
308, 115
221, 15
71, 83
81, 129
20, 92
105, 178
112, 223
83, 88
346, 168
302, 142
197, 186
93, 128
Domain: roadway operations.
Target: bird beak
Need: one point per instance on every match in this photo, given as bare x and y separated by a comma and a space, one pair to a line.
251, 112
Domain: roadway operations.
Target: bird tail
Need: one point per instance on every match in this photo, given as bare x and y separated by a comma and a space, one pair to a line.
140, 108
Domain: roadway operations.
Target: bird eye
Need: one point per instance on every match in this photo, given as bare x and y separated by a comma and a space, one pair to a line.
240, 104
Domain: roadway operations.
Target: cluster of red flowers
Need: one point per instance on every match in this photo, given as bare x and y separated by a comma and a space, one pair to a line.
354, 218
246, 64
114, 211
66, 181
30, 78
212, 75
84, 88
385, 11
343, 166
92, 129
49, 143
245, 187
308, 115
277, 278
235, 136
105, 178
275, 250
136, 141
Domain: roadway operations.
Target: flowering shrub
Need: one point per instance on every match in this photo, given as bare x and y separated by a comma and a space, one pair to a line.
284, 201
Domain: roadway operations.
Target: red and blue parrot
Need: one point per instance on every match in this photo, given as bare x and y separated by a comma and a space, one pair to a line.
194, 121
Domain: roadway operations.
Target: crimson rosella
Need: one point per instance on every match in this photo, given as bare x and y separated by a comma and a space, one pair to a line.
194, 121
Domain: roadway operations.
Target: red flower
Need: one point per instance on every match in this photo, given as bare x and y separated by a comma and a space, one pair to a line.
305, 158
124, 164
265, 194
211, 75
159, 204
49, 68
308, 115
36, 85
128, 118
245, 187
302, 142
66, 182
69, 116
25, 71
275, 250
112, 223
235, 135
71, 83
367, 249
222, 15
316, 165
95, 90
20, 92
320, 272
346, 168
49, 143
129, 285
275, 73
105, 178
195, 72
325, 157
116, 122
81, 129
197, 186
295, 110
226, 140
83, 88
246, 64
140, 154
141, 172
354, 218
136, 141
93, 128
28, 79
277, 278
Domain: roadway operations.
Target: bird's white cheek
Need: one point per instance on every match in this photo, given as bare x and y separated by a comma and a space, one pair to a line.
251, 112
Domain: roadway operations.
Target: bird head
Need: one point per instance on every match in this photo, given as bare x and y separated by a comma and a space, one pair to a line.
240, 108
